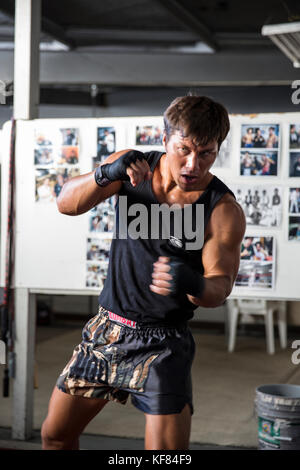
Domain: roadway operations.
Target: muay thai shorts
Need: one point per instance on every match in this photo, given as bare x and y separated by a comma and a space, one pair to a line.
118, 357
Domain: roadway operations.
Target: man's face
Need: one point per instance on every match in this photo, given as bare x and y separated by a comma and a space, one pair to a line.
189, 163
248, 242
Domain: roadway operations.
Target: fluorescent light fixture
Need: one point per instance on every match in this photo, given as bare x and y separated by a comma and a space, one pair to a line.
286, 36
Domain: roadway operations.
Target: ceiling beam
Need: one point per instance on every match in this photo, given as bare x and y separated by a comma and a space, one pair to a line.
56, 32
190, 22
92, 36
140, 69
47, 26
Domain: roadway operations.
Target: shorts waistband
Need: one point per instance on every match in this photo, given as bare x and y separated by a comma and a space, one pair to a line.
137, 325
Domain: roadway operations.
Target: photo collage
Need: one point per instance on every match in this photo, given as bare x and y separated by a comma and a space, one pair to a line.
257, 263
263, 204
100, 217
259, 150
56, 159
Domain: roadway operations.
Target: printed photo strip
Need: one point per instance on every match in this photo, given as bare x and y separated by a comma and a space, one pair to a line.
101, 217
149, 135
294, 164
98, 249
295, 136
263, 136
96, 273
49, 182
254, 163
56, 159
256, 270
262, 205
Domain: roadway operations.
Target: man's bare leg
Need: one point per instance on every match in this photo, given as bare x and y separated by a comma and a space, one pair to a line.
168, 432
67, 417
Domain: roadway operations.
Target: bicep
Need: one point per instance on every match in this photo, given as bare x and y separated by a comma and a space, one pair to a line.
222, 248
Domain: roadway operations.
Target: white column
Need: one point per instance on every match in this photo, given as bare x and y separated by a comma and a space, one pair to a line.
26, 58
23, 383
26, 101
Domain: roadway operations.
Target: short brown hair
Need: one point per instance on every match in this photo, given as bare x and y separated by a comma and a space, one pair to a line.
197, 117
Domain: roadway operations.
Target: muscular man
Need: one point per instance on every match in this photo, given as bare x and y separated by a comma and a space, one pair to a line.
139, 343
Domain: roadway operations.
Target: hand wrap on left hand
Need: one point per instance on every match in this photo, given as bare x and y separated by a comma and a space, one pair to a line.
185, 279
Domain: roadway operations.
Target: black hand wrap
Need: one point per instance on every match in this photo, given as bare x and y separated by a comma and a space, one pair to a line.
116, 170
185, 279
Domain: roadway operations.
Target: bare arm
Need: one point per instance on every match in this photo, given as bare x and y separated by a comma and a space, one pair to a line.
82, 193
221, 253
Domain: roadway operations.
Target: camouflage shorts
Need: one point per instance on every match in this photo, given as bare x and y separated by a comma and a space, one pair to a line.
118, 357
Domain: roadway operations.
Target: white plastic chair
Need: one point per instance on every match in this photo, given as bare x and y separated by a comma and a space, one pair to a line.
258, 307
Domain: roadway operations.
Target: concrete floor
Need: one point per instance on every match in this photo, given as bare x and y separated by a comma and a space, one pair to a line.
95, 442
223, 385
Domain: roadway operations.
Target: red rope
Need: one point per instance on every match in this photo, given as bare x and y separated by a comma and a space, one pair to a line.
7, 325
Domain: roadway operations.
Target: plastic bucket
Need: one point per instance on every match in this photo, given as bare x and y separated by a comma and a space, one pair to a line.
277, 407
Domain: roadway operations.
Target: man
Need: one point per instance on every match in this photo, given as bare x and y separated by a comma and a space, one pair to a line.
272, 140
258, 140
296, 166
246, 164
260, 253
45, 191
247, 139
139, 343
58, 185
276, 208
247, 250
248, 203
294, 200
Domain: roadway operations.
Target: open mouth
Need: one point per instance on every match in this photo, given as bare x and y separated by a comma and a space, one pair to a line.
189, 179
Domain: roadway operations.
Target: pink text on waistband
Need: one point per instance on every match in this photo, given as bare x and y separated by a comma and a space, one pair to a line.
124, 321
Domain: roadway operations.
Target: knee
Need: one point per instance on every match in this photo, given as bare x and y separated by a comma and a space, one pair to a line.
53, 440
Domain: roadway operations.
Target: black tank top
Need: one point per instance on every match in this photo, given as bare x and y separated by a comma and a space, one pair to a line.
126, 289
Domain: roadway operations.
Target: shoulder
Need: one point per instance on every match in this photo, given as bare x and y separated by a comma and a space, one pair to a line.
228, 218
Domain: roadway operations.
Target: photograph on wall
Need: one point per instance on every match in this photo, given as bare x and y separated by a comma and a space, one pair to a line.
68, 156
43, 156
294, 164
62, 176
257, 262
96, 161
295, 136
149, 135
45, 180
98, 249
49, 182
260, 136
254, 163
262, 205
294, 201
106, 142
44, 137
223, 157
96, 273
69, 136
102, 217
294, 228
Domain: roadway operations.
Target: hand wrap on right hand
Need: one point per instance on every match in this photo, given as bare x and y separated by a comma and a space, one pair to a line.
116, 170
